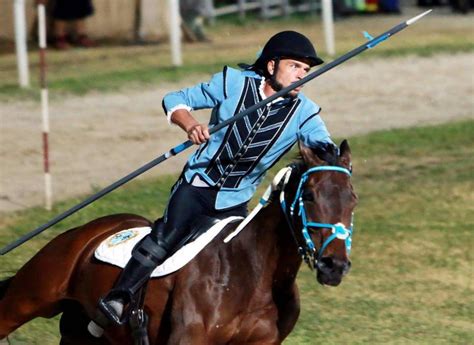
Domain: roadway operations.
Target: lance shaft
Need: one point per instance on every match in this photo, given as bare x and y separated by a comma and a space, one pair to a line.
176, 150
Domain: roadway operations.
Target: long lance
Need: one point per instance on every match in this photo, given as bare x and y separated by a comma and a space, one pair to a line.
178, 149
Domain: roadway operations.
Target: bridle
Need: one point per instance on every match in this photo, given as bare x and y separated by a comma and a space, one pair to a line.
339, 231
307, 249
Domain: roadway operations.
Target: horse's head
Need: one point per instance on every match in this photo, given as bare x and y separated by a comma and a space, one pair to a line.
323, 205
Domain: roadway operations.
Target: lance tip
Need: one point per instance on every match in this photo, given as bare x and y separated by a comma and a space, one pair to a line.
414, 19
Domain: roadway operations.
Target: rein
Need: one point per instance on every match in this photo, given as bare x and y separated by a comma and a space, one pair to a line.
339, 231
308, 250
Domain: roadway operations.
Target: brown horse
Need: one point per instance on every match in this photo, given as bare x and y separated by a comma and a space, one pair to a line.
241, 292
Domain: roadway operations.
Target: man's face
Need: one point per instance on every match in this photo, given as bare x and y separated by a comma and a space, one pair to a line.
288, 72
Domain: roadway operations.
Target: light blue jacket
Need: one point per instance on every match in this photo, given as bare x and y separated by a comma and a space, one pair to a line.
235, 159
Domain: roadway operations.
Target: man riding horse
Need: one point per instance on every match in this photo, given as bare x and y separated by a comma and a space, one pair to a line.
222, 175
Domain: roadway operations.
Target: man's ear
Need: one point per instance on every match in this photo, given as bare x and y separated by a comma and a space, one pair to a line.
271, 67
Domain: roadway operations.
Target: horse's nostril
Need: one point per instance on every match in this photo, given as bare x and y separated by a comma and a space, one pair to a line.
347, 267
328, 264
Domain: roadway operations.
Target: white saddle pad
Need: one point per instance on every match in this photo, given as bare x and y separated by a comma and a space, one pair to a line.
117, 249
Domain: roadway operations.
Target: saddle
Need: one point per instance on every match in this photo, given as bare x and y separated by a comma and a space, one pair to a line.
116, 249
203, 231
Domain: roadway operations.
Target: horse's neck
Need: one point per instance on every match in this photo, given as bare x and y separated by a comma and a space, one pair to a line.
275, 237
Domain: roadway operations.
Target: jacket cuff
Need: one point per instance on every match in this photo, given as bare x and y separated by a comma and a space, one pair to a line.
172, 110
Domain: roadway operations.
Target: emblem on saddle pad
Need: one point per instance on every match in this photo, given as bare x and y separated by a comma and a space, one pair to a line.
122, 237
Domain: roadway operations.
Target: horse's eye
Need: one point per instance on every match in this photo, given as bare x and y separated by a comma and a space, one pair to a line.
307, 195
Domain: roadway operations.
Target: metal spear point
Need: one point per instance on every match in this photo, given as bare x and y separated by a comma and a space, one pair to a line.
418, 17
178, 149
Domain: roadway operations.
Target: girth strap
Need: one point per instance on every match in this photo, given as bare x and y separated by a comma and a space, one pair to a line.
138, 319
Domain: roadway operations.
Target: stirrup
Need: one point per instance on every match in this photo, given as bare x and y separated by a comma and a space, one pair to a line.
109, 314
105, 316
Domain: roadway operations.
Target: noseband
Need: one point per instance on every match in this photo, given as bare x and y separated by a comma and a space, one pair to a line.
339, 231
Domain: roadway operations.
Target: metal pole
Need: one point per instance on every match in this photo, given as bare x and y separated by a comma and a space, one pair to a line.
44, 105
20, 43
176, 150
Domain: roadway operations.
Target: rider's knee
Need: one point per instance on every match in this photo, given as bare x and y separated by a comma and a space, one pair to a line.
150, 252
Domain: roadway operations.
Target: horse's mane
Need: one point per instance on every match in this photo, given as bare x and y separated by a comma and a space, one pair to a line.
327, 152
4, 284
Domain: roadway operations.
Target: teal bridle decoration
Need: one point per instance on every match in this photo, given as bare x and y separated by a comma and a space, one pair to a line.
339, 230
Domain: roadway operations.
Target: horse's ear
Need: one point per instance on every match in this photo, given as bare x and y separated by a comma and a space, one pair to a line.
345, 156
309, 157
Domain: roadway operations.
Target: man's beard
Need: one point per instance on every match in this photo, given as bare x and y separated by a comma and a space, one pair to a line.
275, 84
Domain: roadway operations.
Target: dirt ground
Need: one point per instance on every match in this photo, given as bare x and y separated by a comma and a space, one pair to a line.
99, 138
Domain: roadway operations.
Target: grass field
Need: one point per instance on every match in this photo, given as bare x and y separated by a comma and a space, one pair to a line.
112, 67
412, 275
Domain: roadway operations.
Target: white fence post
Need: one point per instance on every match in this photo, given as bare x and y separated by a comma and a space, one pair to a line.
285, 6
209, 11
20, 43
175, 32
264, 9
241, 5
328, 24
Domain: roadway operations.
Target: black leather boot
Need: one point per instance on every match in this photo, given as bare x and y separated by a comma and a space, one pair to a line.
146, 256
133, 276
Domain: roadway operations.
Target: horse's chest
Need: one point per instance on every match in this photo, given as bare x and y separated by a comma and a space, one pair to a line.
254, 325
231, 312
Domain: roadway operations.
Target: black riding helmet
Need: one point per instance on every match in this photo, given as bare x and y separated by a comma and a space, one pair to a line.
289, 44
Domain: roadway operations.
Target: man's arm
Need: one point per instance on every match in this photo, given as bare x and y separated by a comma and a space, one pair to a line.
313, 131
179, 104
197, 132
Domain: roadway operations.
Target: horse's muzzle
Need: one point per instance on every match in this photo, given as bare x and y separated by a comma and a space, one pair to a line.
330, 270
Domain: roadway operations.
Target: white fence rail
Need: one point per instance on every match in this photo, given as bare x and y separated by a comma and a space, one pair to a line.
268, 8
275, 8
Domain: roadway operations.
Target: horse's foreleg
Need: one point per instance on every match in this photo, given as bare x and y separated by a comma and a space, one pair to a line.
73, 327
192, 334
288, 304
